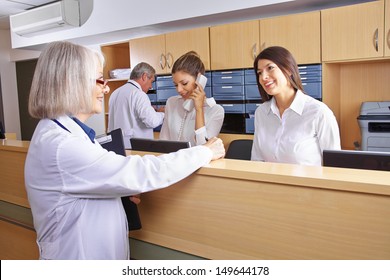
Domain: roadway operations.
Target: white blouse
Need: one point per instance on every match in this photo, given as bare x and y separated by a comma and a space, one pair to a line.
75, 187
305, 129
179, 124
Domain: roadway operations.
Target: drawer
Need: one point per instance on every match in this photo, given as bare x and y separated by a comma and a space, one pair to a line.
228, 80
228, 90
313, 89
310, 68
208, 76
164, 82
312, 79
250, 108
250, 125
233, 108
207, 90
229, 97
250, 77
310, 74
252, 92
164, 94
228, 73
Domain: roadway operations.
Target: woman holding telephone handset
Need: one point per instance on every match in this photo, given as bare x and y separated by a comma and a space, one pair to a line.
190, 116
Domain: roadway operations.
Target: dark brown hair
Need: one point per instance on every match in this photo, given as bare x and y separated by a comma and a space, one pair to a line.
286, 63
189, 63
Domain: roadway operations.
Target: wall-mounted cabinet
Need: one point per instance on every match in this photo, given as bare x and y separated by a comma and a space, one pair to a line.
234, 45
387, 28
354, 32
161, 51
299, 33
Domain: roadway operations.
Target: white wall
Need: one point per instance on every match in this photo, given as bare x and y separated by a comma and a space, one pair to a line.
8, 86
8, 57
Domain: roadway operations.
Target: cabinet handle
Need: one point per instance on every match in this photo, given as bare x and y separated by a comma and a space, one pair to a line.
376, 39
169, 55
254, 51
388, 39
162, 56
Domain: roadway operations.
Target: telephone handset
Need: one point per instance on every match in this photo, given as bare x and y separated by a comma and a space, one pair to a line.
202, 80
189, 103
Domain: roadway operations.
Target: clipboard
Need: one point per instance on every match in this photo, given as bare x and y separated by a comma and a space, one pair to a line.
113, 141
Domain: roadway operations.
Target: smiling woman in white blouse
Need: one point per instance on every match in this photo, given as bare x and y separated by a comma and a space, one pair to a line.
290, 126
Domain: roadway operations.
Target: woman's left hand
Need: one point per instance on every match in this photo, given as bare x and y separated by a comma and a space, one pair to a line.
135, 198
198, 95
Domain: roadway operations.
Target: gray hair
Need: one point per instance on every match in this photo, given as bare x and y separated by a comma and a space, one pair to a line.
64, 81
140, 69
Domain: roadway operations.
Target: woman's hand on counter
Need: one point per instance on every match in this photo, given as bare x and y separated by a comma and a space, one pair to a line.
216, 146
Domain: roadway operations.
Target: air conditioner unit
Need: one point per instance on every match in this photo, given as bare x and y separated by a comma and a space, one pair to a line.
56, 16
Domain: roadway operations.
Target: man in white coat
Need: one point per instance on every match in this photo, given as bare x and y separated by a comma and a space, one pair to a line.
130, 108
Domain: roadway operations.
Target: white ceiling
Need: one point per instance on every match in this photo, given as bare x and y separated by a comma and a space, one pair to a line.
10, 7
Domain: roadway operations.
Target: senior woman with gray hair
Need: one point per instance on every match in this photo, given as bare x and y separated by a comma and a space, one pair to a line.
75, 186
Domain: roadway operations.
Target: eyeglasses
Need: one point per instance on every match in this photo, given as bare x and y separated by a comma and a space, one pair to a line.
102, 82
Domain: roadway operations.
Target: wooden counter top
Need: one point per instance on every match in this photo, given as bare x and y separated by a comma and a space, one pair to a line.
368, 181
14, 145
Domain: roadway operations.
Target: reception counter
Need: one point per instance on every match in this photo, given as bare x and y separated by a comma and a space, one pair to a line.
234, 209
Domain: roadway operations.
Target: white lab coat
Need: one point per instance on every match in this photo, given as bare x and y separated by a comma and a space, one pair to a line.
131, 110
74, 189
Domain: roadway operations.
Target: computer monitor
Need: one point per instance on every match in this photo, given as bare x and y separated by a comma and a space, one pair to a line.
158, 146
357, 159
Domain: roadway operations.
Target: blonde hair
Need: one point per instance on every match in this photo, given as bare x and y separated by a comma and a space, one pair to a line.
64, 81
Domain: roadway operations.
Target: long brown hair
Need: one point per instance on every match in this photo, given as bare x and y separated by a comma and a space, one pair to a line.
286, 63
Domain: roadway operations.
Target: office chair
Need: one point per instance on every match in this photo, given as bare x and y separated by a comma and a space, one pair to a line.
240, 149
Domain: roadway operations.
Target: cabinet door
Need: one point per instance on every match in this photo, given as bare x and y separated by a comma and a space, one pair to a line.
299, 33
353, 32
387, 28
150, 50
234, 45
178, 43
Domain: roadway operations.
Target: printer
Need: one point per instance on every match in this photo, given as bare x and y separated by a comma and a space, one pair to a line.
374, 122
